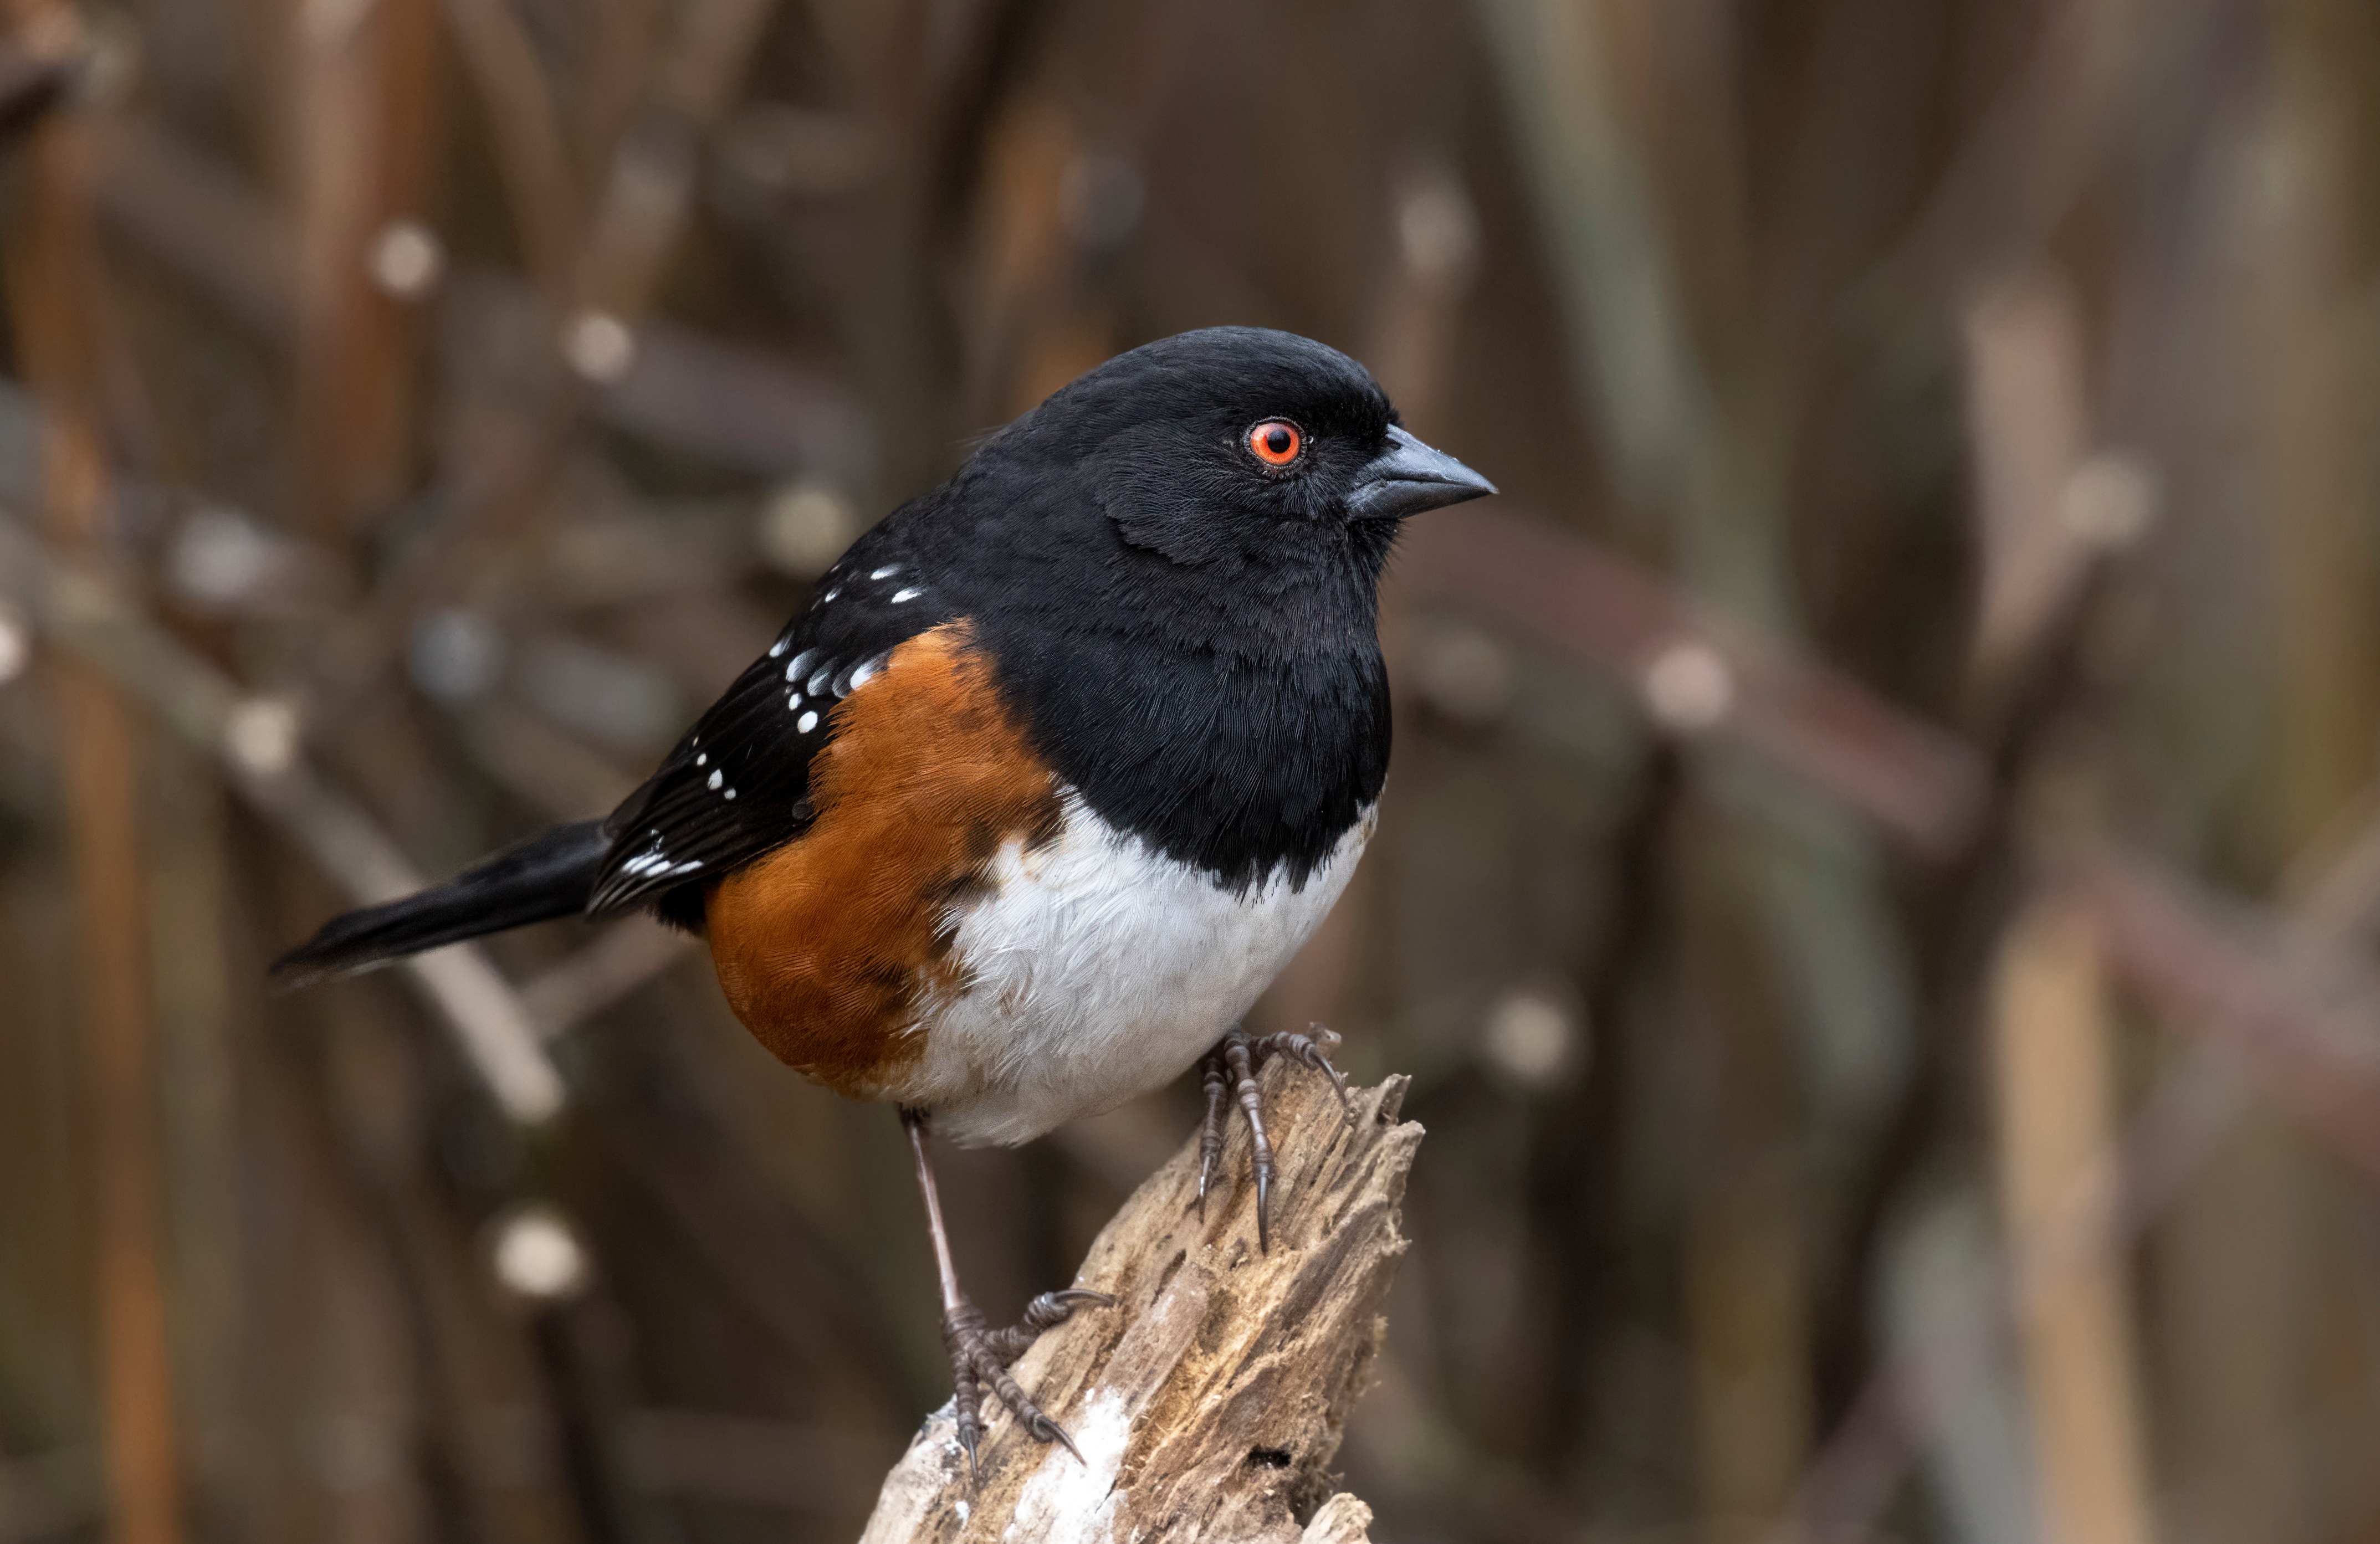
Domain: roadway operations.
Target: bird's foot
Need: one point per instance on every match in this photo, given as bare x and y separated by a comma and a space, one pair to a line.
1233, 1065
980, 1358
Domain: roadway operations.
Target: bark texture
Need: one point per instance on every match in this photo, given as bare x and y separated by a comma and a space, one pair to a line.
1208, 1402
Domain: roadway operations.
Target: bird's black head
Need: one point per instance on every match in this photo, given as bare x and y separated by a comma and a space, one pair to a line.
1241, 449
1175, 562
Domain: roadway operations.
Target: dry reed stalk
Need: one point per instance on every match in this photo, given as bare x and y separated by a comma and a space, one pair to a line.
526, 126
1743, 1258
53, 273
2053, 1054
2048, 1030
362, 138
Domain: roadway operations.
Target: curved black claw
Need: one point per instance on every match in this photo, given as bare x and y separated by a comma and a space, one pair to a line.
980, 1358
1231, 1066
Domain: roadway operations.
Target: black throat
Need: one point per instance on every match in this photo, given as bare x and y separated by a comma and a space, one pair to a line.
1241, 727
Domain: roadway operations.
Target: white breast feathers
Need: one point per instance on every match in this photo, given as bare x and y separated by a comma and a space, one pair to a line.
1096, 970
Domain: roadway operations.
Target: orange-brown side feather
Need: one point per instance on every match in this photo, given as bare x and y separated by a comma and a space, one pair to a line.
826, 947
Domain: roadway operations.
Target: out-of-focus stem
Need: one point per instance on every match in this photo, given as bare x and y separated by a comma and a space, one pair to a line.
2052, 1056
51, 262
360, 154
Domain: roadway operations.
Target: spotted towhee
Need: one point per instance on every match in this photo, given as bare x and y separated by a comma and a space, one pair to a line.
1057, 767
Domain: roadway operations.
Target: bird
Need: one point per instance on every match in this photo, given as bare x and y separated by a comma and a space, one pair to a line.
1050, 776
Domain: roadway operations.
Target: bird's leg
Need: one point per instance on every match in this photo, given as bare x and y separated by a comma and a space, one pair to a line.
1233, 1065
980, 1357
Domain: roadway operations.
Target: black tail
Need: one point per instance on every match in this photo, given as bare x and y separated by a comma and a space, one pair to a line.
549, 874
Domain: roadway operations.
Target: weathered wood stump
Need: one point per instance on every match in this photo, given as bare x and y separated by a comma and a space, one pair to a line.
1208, 1402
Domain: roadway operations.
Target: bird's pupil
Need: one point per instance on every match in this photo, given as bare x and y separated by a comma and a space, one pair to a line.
1276, 441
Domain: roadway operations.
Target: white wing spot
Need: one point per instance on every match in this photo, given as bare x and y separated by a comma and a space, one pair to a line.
776, 648
801, 662
808, 722
866, 672
829, 595
886, 571
731, 795
703, 760
817, 687
717, 777
793, 702
911, 594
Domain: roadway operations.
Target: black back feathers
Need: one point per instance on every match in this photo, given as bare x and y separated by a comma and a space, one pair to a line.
736, 787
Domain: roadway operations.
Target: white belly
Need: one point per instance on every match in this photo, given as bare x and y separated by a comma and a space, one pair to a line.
1096, 970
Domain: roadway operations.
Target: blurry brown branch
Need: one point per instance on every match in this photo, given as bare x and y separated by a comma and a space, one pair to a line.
2301, 1031
257, 742
1208, 1402
2299, 1021
1918, 783
1923, 784
501, 502
709, 398
2277, 1000
627, 956
705, 396
1870, 1453
527, 126
56, 300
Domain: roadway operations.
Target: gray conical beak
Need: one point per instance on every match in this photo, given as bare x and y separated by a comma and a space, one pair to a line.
1409, 477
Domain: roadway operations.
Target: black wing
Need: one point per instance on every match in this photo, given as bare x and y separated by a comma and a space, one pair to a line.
738, 786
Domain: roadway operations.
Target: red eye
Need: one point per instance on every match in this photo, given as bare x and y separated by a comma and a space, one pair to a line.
1276, 442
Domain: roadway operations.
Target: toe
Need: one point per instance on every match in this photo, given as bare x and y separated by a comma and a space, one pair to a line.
1034, 1421
1042, 1314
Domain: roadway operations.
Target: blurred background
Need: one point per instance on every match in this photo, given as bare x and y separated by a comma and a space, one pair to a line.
1878, 883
